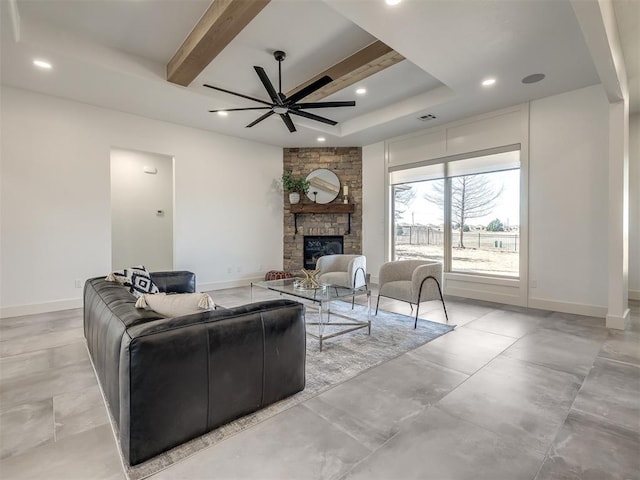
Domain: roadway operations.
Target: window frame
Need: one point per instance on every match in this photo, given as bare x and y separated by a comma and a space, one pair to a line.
471, 276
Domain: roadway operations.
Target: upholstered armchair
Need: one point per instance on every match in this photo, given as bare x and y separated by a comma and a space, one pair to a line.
348, 271
412, 281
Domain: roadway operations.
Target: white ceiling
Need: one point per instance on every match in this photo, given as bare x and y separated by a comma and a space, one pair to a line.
113, 53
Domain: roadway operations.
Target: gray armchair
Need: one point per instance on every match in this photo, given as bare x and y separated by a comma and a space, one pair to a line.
348, 271
412, 281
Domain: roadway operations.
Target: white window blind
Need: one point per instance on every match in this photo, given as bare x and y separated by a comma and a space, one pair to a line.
485, 164
494, 160
417, 174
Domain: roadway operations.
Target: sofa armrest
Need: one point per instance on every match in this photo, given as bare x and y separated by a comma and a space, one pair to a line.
175, 281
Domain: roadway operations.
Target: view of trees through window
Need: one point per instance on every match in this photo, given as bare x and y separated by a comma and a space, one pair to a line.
485, 230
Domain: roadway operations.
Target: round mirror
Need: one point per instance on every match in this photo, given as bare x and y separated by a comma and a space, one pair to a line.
324, 185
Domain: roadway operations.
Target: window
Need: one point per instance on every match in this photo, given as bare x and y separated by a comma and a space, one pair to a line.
419, 231
464, 213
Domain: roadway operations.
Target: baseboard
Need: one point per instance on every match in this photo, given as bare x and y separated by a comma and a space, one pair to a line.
239, 282
568, 307
634, 294
35, 308
619, 322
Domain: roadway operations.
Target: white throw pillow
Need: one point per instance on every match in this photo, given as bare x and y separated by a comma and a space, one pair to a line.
176, 304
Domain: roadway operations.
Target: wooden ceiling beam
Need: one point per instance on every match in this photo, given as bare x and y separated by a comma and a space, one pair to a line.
222, 21
362, 64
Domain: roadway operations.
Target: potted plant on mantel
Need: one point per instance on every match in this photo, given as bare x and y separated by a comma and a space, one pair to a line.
296, 186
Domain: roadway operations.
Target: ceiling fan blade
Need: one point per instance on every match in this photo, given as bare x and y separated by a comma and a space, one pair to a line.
288, 122
237, 94
309, 89
311, 116
325, 104
238, 109
266, 115
275, 98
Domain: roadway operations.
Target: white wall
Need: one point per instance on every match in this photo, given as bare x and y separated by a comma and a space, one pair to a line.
55, 206
634, 206
141, 210
373, 208
568, 206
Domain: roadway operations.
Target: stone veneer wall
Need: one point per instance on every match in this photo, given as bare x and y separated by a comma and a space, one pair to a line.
346, 163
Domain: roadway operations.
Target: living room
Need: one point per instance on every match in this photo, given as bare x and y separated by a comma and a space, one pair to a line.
58, 134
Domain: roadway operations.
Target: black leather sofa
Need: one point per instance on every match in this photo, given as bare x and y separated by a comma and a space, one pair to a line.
168, 380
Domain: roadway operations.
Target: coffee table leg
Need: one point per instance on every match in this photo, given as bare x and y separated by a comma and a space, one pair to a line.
320, 324
369, 310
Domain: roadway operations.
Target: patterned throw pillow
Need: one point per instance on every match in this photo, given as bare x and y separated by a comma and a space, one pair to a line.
136, 279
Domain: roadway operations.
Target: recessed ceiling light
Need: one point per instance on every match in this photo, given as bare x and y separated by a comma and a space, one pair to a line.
536, 77
321, 139
392, 2
223, 113
361, 91
42, 64
488, 82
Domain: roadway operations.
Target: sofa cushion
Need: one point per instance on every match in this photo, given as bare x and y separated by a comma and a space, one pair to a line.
176, 305
136, 279
180, 281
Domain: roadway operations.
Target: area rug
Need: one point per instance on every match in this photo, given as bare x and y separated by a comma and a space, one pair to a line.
342, 358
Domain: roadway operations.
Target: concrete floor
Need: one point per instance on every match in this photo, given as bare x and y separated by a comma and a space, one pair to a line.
510, 394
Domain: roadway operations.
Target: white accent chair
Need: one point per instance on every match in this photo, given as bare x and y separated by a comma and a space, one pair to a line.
348, 271
412, 281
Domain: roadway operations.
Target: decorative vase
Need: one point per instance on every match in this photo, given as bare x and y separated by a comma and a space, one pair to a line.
294, 197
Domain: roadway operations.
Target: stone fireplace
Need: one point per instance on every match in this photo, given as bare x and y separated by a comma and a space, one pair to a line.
334, 219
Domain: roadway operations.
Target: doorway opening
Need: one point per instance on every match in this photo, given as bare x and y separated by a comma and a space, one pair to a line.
142, 209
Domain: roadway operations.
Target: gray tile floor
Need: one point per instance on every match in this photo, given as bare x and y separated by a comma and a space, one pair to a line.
512, 393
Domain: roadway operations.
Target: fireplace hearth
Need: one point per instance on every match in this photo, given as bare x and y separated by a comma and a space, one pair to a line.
317, 246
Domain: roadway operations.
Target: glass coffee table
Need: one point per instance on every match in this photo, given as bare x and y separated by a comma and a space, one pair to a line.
320, 298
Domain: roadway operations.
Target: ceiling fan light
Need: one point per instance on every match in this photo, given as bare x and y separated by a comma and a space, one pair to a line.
489, 82
223, 113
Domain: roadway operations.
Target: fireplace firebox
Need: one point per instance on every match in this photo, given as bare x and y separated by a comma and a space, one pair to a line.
320, 245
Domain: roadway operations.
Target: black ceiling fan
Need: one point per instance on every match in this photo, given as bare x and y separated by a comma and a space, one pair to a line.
283, 105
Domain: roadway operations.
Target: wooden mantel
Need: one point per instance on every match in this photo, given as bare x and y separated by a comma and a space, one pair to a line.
322, 208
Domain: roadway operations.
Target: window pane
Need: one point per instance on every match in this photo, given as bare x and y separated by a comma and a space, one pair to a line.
485, 223
419, 221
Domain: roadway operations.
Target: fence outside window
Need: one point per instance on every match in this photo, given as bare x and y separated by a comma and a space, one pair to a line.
480, 239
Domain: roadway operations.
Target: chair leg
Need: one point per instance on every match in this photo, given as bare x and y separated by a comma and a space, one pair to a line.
353, 302
442, 300
417, 310
377, 303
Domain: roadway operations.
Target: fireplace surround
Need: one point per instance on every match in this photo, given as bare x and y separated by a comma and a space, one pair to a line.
331, 219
